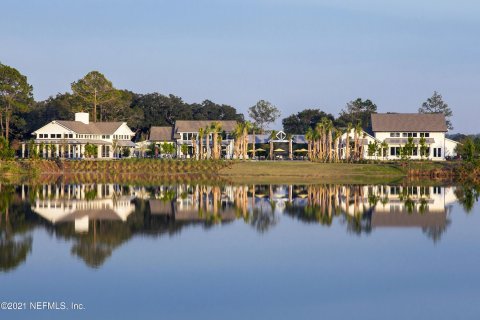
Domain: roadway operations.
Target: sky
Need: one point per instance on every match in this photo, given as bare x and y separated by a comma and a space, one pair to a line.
296, 54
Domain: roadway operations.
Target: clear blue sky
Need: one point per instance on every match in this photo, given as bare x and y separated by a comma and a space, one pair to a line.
294, 53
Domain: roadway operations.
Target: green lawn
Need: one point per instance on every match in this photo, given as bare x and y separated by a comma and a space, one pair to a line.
310, 172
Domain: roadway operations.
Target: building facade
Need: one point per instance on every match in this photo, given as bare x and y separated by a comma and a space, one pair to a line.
71, 139
395, 130
185, 136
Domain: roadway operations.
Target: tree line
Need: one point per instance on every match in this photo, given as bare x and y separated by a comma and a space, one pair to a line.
20, 114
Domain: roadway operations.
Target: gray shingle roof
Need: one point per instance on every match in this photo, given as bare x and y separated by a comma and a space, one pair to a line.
195, 125
161, 134
409, 122
91, 128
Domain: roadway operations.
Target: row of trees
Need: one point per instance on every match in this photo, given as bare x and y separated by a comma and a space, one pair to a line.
94, 93
20, 114
356, 111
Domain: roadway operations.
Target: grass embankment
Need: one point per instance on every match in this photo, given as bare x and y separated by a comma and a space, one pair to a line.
310, 172
150, 171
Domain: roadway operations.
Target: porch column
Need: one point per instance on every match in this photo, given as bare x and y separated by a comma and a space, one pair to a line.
110, 152
290, 149
23, 152
38, 149
99, 151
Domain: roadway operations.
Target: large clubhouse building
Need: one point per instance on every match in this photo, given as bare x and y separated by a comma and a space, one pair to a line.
69, 139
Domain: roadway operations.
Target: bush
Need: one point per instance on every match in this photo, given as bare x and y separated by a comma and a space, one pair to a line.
6, 152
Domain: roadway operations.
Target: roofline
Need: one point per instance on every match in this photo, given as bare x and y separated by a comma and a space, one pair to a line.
54, 122
409, 131
454, 141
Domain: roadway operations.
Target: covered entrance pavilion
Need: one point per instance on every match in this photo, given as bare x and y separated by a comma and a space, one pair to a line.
279, 137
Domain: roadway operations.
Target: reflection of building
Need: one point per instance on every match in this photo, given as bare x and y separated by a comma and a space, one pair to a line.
195, 203
398, 206
82, 203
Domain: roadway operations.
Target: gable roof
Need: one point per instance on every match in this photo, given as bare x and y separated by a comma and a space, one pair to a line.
91, 128
409, 122
195, 125
161, 134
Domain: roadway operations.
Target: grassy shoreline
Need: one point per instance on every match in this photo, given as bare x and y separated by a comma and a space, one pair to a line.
310, 172
237, 172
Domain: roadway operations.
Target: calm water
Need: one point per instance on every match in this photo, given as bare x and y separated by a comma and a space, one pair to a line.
240, 252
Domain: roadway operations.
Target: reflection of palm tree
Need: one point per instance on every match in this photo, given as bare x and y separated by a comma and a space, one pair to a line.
467, 196
262, 220
435, 232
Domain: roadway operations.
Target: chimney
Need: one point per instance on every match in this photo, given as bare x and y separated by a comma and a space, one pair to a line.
82, 117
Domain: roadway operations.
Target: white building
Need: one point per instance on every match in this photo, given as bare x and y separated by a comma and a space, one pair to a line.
395, 129
68, 139
186, 133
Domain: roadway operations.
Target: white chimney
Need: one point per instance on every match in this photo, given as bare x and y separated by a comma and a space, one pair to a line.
82, 117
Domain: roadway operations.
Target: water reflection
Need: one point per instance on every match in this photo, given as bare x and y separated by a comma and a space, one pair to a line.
98, 218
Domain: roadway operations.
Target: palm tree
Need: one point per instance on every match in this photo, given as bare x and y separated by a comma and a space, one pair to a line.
309, 137
237, 133
201, 134
357, 132
273, 135
254, 128
219, 147
194, 147
347, 142
337, 134
316, 144
329, 129
319, 129
207, 141
247, 126
215, 128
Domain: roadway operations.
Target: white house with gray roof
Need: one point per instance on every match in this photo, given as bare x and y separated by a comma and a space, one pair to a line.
186, 133
396, 128
67, 139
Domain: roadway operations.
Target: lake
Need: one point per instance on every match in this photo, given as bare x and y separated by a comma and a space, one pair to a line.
186, 251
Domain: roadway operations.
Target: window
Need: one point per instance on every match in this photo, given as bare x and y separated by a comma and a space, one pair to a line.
405, 135
437, 152
414, 134
395, 151
59, 136
427, 135
394, 190
415, 152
